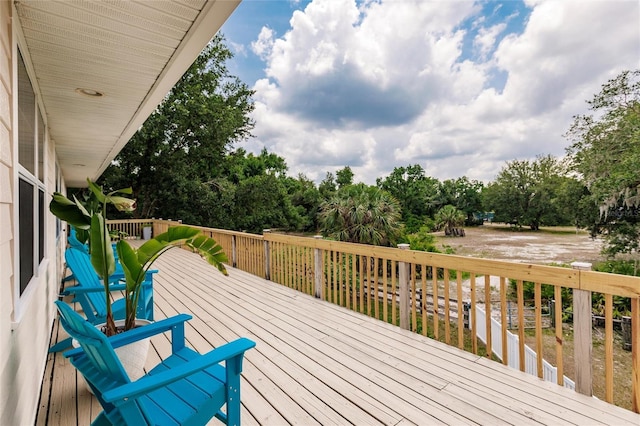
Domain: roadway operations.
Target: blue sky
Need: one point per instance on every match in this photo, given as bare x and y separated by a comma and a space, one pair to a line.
459, 87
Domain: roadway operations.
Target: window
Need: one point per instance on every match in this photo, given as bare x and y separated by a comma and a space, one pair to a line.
31, 177
26, 233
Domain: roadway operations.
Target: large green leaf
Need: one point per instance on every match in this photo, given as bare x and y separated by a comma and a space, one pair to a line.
69, 211
102, 257
130, 266
97, 191
210, 250
177, 233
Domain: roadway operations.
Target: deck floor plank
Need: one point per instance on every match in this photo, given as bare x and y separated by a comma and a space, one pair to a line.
318, 363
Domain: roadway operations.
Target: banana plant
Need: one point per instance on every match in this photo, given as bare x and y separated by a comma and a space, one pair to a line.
137, 261
89, 219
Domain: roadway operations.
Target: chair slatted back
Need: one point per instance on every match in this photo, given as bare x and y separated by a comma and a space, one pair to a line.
93, 304
73, 241
103, 369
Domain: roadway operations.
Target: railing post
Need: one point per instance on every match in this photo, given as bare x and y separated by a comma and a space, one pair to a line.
582, 335
317, 273
267, 256
403, 283
635, 354
234, 252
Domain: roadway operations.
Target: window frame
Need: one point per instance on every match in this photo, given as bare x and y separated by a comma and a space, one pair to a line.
23, 295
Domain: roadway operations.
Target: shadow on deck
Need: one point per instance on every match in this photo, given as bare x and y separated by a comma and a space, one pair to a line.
318, 363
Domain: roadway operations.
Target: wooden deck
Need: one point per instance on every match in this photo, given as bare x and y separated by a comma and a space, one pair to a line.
317, 363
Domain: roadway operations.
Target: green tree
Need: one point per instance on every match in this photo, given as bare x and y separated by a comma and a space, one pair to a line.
305, 198
464, 194
327, 187
344, 177
527, 193
605, 150
173, 161
262, 202
415, 192
361, 214
449, 218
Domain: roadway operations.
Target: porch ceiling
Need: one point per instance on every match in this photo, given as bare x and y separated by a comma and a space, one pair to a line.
132, 52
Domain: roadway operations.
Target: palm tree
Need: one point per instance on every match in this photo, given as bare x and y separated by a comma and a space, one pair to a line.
361, 214
450, 219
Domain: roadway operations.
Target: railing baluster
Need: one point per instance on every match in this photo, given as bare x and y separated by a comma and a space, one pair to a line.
503, 320
521, 325
557, 294
635, 354
376, 287
487, 314
608, 347
460, 308
538, 311
369, 283
414, 315
394, 288
423, 300
318, 281
361, 274
447, 308
436, 303
385, 290
474, 323
403, 282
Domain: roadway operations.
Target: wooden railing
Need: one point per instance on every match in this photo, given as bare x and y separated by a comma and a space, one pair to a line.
129, 228
427, 293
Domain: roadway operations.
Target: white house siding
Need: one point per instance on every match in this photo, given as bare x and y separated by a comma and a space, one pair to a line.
6, 221
24, 338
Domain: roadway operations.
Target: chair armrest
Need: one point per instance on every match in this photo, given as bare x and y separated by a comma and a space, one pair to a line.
139, 333
149, 383
78, 289
152, 329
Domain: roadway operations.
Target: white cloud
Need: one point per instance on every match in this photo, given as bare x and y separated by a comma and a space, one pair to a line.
383, 84
486, 39
262, 47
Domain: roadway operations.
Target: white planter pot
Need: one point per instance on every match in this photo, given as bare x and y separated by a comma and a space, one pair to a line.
146, 233
132, 356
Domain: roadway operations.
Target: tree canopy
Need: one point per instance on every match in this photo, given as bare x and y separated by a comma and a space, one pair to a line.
530, 193
605, 145
605, 151
361, 214
172, 162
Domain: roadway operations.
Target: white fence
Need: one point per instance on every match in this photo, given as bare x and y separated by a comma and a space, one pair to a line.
549, 373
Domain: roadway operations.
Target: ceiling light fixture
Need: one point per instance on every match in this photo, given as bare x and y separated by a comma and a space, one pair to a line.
89, 92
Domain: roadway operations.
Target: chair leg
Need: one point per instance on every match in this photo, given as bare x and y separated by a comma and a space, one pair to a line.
61, 345
233, 367
101, 420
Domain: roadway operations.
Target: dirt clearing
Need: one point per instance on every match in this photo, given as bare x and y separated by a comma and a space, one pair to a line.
561, 245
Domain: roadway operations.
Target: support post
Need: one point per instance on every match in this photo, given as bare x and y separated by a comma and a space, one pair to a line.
317, 275
267, 256
635, 354
582, 335
234, 252
403, 283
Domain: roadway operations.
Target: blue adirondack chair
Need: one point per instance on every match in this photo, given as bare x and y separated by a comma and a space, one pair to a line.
74, 243
186, 388
89, 293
